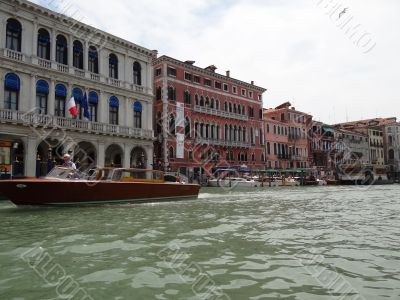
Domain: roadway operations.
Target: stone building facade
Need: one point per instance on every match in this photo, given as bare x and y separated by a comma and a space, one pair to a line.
45, 59
204, 120
286, 135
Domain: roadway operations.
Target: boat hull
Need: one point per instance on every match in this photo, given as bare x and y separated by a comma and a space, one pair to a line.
44, 192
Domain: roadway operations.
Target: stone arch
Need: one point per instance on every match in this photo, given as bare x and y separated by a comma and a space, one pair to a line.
114, 156
85, 156
138, 158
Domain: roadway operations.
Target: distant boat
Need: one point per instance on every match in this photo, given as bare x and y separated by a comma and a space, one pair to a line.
66, 187
234, 182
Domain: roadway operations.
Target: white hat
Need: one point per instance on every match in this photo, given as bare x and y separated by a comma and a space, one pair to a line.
66, 155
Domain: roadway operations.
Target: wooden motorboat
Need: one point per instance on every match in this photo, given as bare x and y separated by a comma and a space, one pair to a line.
66, 187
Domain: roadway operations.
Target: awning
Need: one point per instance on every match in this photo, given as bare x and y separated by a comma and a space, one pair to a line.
78, 95
114, 102
12, 82
42, 87
61, 91
137, 106
93, 98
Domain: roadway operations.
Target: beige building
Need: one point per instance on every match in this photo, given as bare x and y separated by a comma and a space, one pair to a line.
45, 59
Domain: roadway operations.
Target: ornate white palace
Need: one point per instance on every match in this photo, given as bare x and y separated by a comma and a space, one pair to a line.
46, 58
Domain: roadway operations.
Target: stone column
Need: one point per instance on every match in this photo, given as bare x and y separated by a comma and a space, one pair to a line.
86, 55
148, 116
70, 50
102, 108
149, 155
3, 22
128, 113
101, 154
127, 156
32, 105
30, 156
51, 99
149, 73
53, 45
127, 66
34, 38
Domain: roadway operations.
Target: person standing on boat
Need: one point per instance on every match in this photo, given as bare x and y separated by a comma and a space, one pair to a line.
68, 163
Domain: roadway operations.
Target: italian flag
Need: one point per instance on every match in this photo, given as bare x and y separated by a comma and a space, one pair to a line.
71, 106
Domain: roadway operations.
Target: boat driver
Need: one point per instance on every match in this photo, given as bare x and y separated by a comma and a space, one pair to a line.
68, 163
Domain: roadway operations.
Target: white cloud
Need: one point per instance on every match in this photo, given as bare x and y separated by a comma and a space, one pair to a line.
292, 48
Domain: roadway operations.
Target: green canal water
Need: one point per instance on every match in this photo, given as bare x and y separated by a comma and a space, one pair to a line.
284, 243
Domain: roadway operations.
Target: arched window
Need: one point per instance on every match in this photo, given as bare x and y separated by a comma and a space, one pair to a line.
239, 109
43, 50
171, 93
93, 102
12, 86
158, 93
187, 127
60, 97
207, 131
263, 157
42, 92
13, 35
171, 152
187, 97
158, 123
391, 154
78, 55
114, 108
93, 63
240, 134
212, 103
78, 97
226, 132
61, 50
226, 106
216, 104
207, 102
137, 117
196, 99
201, 101
268, 148
137, 73
234, 108
244, 134
113, 66
172, 124
230, 107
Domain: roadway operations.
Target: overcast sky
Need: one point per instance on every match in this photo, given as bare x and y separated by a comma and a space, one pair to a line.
300, 50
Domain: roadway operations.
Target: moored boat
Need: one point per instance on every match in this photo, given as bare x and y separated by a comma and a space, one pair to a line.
65, 187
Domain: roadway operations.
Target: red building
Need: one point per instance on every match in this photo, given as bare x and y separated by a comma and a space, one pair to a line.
205, 120
286, 135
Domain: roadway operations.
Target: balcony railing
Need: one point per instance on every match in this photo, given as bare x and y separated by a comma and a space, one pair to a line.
114, 82
48, 64
47, 121
62, 68
222, 143
220, 113
14, 55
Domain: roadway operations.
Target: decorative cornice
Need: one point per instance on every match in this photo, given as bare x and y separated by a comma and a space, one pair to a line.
205, 72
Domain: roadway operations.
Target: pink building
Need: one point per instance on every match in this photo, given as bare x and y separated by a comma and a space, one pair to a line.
286, 135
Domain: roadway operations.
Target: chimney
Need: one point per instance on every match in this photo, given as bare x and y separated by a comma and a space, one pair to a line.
190, 62
228, 73
252, 82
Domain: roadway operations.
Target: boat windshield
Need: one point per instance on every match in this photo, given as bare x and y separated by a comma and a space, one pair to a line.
63, 173
136, 175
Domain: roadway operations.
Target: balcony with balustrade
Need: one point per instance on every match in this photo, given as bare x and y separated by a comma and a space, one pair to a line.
54, 122
220, 113
215, 142
65, 69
